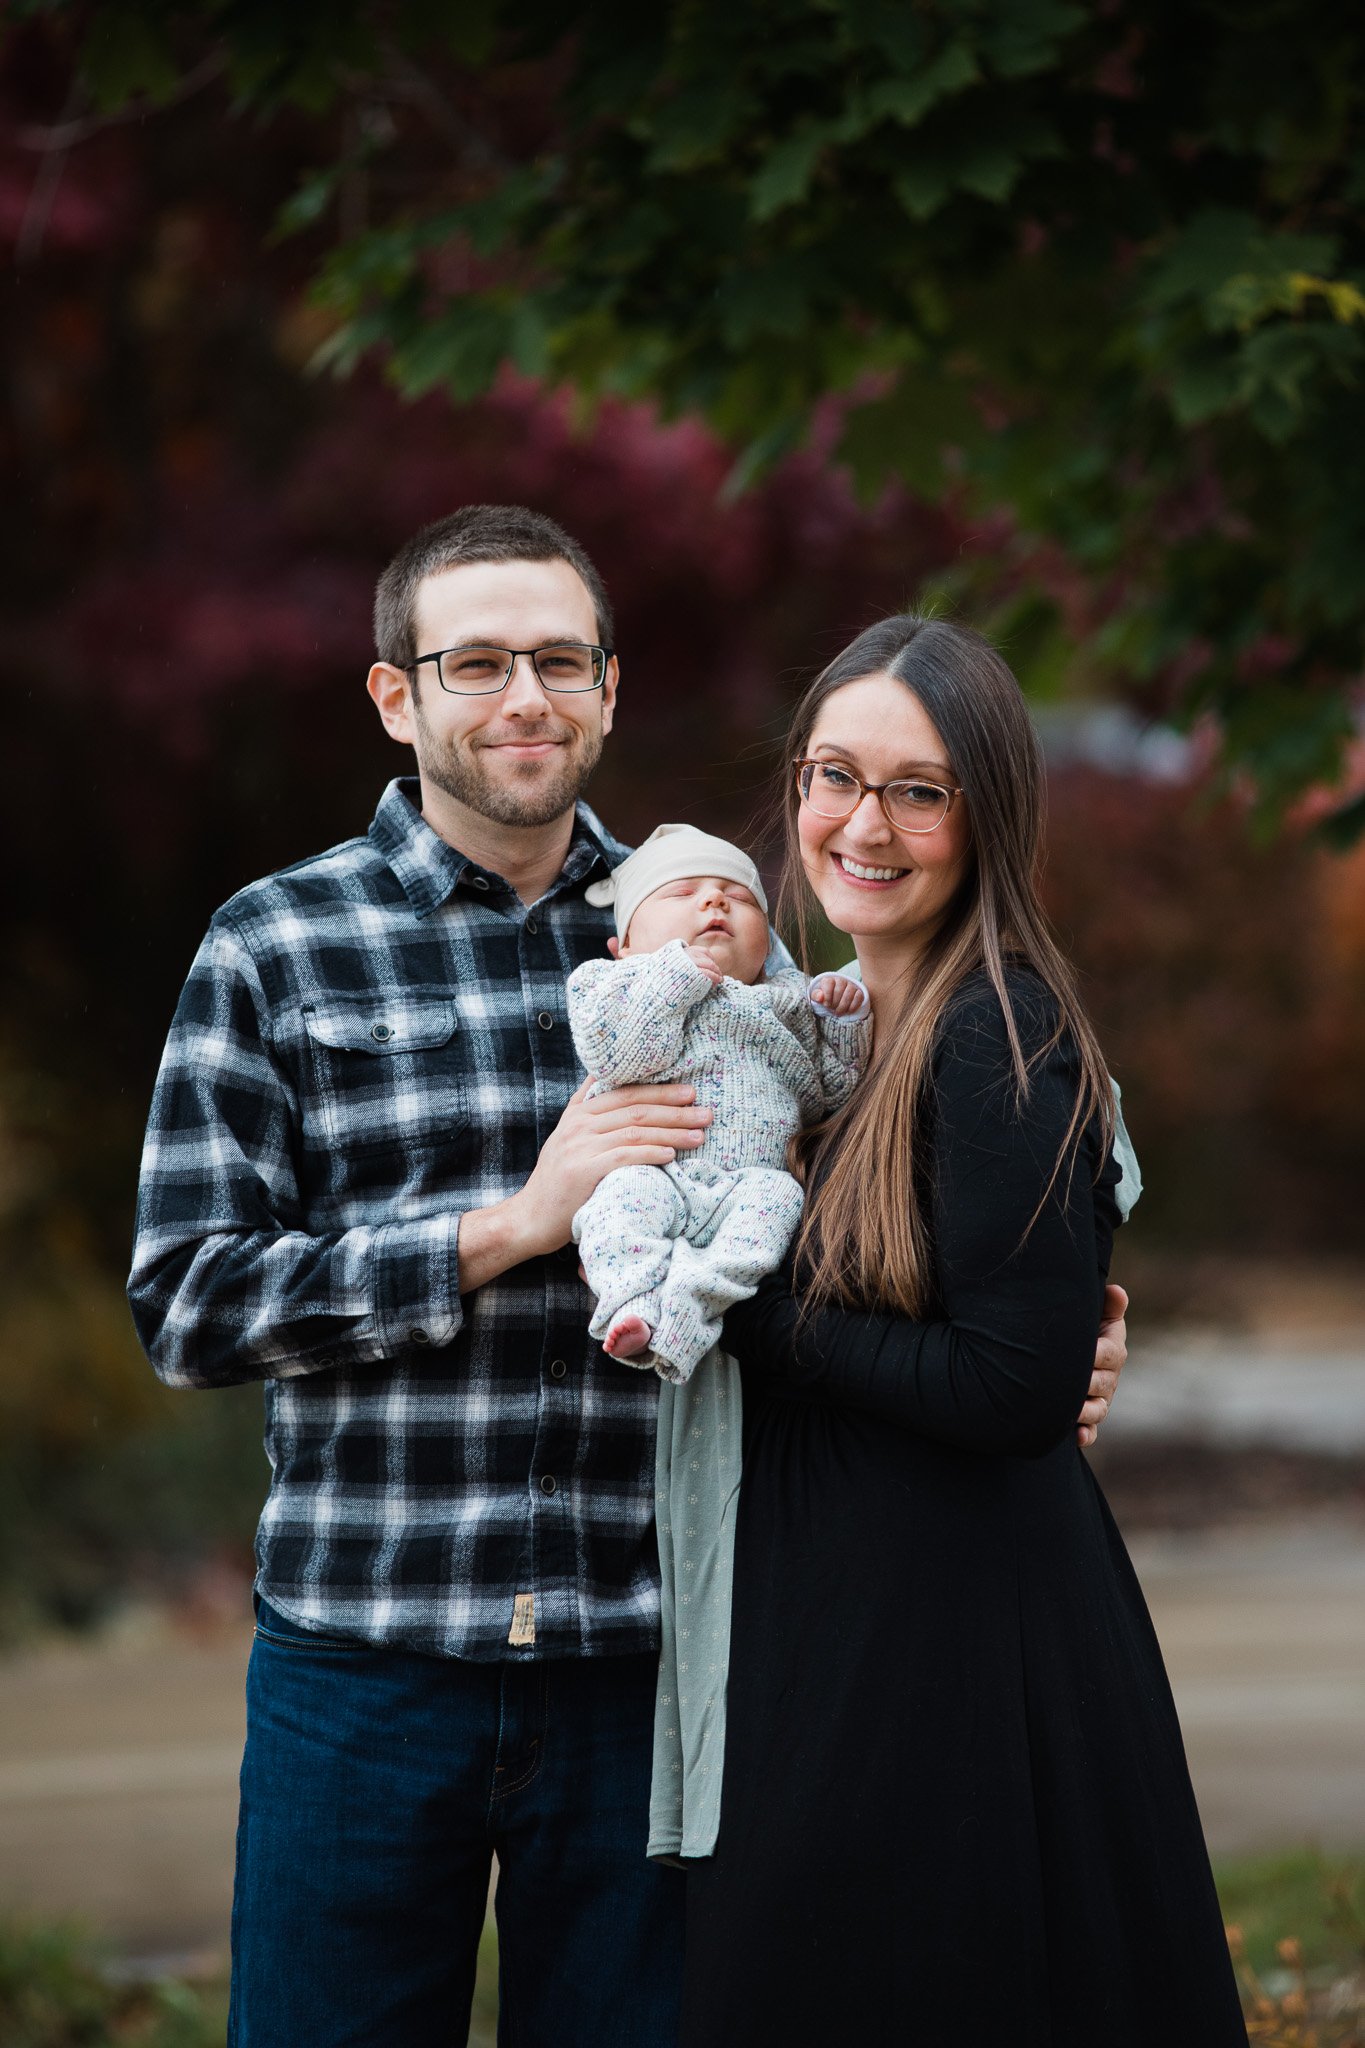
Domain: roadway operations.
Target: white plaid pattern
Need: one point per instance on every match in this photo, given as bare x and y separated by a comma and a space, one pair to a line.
368, 1044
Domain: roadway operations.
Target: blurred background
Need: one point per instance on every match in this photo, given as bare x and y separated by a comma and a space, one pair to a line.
193, 522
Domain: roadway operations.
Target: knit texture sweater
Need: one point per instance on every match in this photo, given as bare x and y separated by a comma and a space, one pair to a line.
760, 1056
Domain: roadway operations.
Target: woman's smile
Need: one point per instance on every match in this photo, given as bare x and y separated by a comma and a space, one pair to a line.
860, 871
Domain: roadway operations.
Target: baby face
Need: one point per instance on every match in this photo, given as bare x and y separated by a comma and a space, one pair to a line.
721, 917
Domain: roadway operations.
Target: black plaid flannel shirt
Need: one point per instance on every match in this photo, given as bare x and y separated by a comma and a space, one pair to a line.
369, 1044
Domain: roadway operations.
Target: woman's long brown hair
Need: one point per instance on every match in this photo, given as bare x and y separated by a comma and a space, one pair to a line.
864, 1238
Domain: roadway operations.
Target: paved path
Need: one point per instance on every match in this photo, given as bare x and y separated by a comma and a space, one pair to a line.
118, 1773
1299, 1391
118, 1762
1263, 1632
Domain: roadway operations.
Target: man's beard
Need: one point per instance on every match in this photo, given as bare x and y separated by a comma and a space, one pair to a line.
459, 770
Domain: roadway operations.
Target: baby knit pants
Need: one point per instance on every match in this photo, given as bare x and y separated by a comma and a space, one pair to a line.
677, 1247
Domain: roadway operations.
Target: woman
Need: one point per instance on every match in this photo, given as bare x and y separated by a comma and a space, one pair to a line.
956, 1806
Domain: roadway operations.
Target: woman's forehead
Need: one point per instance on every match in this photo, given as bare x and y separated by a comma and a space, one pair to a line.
878, 722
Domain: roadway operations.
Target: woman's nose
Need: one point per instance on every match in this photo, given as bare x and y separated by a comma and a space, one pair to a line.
868, 820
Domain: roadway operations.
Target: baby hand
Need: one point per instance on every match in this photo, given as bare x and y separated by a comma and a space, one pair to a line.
699, 957
839, 993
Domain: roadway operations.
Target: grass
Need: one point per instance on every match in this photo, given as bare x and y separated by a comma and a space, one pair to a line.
1296, 1925
58, 1990
1296, 1922
61, 1988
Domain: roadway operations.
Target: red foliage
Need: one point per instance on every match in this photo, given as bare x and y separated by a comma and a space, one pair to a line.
191, 538
1228, 983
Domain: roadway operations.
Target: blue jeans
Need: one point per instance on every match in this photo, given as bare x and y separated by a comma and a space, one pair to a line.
376, 1787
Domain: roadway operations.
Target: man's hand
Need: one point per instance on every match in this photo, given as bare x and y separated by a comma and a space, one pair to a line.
1110, 1353
838, 992
649, 1125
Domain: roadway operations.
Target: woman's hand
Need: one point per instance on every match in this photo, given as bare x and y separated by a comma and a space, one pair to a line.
1110, 1354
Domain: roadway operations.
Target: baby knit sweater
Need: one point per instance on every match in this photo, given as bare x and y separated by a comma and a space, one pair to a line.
761, 1057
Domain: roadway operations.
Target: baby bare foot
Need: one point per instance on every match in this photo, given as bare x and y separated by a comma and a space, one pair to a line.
627, 1337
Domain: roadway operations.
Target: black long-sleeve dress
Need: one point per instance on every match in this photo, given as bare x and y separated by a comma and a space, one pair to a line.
956, 1806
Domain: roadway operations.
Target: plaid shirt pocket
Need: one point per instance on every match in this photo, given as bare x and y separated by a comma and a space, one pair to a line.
388, 1069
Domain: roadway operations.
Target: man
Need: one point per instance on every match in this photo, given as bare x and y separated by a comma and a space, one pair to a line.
367, 1142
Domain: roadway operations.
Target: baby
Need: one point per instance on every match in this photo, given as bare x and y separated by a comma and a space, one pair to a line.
667, 1249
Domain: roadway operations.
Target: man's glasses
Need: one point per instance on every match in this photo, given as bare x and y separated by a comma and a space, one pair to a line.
483, 671
909, 806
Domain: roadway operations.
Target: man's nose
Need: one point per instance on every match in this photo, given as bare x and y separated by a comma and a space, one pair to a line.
524, 692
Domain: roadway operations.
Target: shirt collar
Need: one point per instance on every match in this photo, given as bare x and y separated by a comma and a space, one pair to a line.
430, 870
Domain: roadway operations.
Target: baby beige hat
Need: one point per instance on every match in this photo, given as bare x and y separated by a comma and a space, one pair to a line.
672, 853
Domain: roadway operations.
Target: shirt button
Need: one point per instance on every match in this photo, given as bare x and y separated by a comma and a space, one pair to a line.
381, 1033
419, 1337
532, 926
545, 1021
547, 1484
557, 1368
478, 881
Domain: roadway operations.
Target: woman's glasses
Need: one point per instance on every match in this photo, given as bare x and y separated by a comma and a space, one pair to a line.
912, 805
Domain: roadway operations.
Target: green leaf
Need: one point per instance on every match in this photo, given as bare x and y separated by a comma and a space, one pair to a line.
1207, 382
378, 265
990, 171
987, 163
126, 53
767, 298
346, 348
502, 214
461, 349
1281, 365
787, 171
528, 339
760, 455
908, 99
1291, 736
1224, 248
309, 202
905, 433
1027, 36
697, 123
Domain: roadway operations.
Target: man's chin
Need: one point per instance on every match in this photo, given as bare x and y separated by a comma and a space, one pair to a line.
508, 807
523, 798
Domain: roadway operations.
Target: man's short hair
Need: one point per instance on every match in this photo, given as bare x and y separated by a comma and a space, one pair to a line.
476, 533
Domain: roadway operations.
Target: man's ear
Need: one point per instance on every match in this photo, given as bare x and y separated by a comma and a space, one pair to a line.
609, 683
391, 689
614, 947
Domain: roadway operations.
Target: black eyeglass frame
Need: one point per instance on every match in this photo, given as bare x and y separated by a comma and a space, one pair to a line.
949, 792
513, 654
